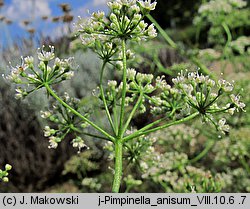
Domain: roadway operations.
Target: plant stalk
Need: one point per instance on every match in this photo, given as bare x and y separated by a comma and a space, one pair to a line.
118, 166
140, 132
52, 93
104, 99
172, 44
209, 145
124, 86
132, 113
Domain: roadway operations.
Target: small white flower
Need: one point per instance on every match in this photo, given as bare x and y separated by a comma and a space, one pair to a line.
53, 142
67, 63
5, 179
29, 60
210, 82
119, 65
226, 86
179, 79
188, 88
237, 102
114, 5
152, 31
143, 25
162, 84
131, 74
231, 111
98, 15
200, 78
222, 126
58, 63
134, 9
20, 93
78, 143
14, 77
193, 189
8, 167
130, 54
147, 5
156, 100
68, 75
45, 114
48, 131
112, 84
46, 56
144, 78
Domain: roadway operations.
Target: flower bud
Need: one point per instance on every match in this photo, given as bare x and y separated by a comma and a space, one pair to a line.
5, 179
131, 74
8, 167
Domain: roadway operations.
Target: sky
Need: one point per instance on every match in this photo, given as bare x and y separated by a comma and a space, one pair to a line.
32, 10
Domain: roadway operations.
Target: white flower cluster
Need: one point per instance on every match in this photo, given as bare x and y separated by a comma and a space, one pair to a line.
165, 161
140, 82
203, 94
222, 126
190, 93
137, 83
109, 146
142, 145
46, 56
226, 6
125, 21
65, 122
78, 142
218, 14
25, 74
179, 137
238, 105
168, 100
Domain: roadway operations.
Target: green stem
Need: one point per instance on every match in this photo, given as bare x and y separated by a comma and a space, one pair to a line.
162, 32
229, 39
52, 93
46, 71
171, 43
124, 86
132, 113
140, 132
118, 166
227, 30
209, 145
87, 134
115, 117
104, 99
146, 127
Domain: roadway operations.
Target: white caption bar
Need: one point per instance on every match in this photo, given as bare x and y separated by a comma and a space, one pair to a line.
125, 201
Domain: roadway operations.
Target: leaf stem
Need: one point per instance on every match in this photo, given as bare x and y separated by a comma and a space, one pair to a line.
118, 166
52, 93
88, 134
124, 86
104, 99
162, 32
209, 145
172, 44
142, 132
132, 113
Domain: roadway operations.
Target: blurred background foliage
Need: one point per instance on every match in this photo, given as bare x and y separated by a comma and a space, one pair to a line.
185, 158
